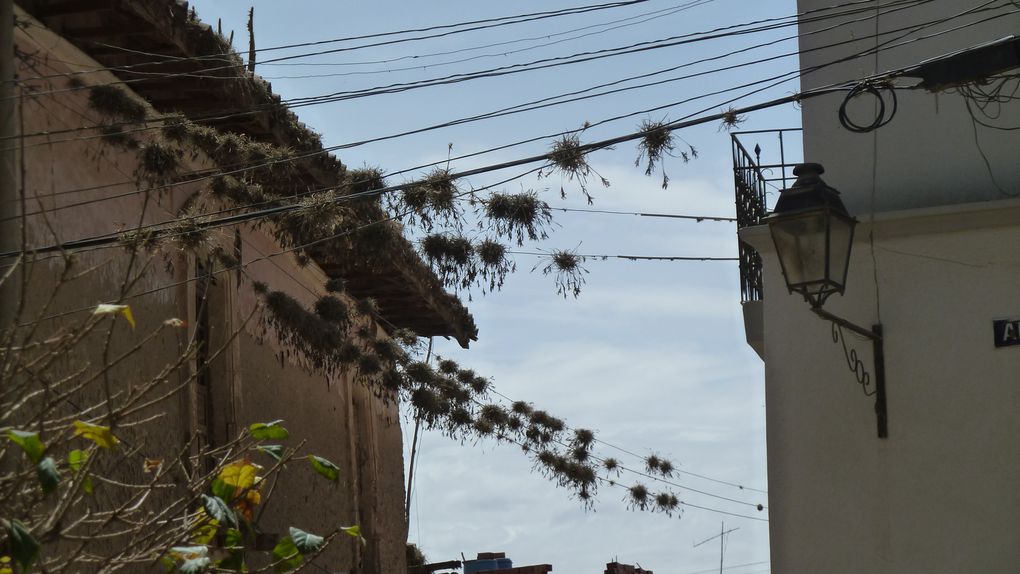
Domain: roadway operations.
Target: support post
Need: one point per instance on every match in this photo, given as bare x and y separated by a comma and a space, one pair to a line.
9, 224
878, 353
880, 406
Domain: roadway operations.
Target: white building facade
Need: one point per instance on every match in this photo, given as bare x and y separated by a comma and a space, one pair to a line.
935, 262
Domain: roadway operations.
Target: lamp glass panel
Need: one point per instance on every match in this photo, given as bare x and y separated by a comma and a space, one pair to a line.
801, 245
841, 236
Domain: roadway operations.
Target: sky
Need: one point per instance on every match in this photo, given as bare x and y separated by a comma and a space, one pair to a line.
651, 355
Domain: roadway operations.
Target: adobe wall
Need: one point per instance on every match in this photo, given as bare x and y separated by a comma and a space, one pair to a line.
255, 379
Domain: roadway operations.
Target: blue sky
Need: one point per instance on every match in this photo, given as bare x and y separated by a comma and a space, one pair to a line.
652, 354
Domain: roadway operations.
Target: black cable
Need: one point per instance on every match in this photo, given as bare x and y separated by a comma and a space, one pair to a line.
716, 33
498, 113
752, 108
608, 26
882, 116
227, 115
477, 25
111, 239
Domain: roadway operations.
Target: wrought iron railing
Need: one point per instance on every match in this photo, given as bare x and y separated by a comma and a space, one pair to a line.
751, 180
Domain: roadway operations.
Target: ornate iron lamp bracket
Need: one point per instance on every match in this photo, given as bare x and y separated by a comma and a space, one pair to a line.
856, 365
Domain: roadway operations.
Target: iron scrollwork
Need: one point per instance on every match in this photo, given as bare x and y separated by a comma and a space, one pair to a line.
853, 361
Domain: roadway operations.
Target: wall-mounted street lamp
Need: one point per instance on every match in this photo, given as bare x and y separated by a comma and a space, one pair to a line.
813, 234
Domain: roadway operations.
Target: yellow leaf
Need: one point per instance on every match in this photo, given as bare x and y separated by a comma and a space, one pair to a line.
241, 474
110, 309
98, 434
5, 565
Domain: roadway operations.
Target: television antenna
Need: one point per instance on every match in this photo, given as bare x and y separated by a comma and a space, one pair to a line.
722, 542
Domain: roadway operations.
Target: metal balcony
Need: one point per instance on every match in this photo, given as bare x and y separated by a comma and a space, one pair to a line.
755, 184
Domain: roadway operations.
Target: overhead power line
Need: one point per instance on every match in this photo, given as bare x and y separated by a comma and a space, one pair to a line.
767, 24
110, 239
519, 108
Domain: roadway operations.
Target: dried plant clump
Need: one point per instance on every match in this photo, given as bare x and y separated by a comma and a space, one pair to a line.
448, 367
494, 415
189, 231
369, 364
367, 306
569, 159
480, 385
566, 266
158, 160
652, 463
322, 343
731, 119
611, 464
521, 408
494, 264
580, 453
430, 201
452, 257
658, 142
336, 285
667, 503
145, 239
583, 438
388, 350
460, 417
638, 496
364, 180
332, 309
176, 127
655, 144
666, 468
518, 215
114, 101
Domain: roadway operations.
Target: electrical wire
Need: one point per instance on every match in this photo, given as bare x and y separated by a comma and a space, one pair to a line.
609, 26
587, 148
640, 457
113, 239
528, 106
474, 25
343, 146
672, 41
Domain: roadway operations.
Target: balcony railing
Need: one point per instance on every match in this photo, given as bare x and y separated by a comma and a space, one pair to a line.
752, 180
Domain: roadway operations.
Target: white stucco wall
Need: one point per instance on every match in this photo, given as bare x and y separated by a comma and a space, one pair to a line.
940, 494
927, 155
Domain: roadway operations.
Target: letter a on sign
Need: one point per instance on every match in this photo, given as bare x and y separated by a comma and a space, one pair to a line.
1006, 332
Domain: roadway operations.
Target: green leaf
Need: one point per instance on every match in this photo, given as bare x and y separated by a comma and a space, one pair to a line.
76, 459
354, 531
306, 542
234, 562
218, 510
48, 474
24, 548
222, 490
205, 533
286, 555
29, 442
271, 430
233, 538
273, 450
86, 485
324, 467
